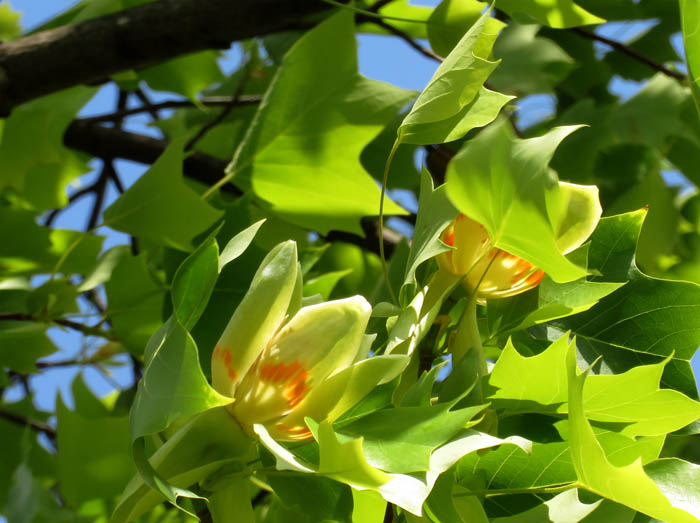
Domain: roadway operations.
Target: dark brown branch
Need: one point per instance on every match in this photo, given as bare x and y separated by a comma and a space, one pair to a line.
176, 104
107, 142
629, 52
26, 422
87, 330
91, 51
406, 38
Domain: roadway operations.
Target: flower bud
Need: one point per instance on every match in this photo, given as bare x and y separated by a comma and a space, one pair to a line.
496, 273
270, 358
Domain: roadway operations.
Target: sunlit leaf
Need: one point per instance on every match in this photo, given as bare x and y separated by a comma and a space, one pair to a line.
518, 216
290, 155
159, 207
628, 485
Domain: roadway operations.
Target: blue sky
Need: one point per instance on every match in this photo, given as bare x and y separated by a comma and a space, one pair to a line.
381, 58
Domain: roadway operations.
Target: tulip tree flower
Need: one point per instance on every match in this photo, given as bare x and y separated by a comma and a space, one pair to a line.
281, 362
496, 273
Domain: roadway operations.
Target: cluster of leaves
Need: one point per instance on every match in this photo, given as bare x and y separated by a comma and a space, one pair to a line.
305, 139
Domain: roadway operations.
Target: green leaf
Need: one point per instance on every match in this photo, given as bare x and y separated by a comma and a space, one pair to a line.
194, 282
367, 507
562, 507
238, 244
521, 216
403, 9
186, 75
290, 154
554, 13
135, 301
628, 485
27, 247
690, 18
678, 480
530, 63
10, 27
449, 21
455, 100
231, 502
160, 207
325, 283
643, 322
197, 450
314, 498
22, 343
549, 301
632, 398
39, 169
435, 212
94, 460
173, 385
402, 439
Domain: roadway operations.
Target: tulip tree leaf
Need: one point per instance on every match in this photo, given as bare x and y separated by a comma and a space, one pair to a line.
194, 282
301, 154
679, 481
455, 100
632, 398
172, 387
690, 18
91, 467
186, 75
554, 13
517, 215
9, 23
548, 302
645, 321
238, 244
402, 439
562, 507
449, 21
530, 63
159, 207
435, 212
22, 343
41, 168
628, 485
198, 449
27, 247
135, 301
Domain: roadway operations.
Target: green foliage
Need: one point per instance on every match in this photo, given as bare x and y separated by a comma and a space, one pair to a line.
276, 377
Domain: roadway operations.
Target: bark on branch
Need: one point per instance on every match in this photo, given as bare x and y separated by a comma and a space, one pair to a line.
111, 143
91, 51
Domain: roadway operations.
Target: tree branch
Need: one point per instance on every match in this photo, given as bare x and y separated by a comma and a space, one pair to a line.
407, 38
26, 422
87, 330
89, 52
629, 52
175, 104
108, 142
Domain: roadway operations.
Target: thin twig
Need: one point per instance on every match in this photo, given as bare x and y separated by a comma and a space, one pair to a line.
87, 330
408, 39
226, 110
147, 104
100, 191
175, 104
629, 52
27, 422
